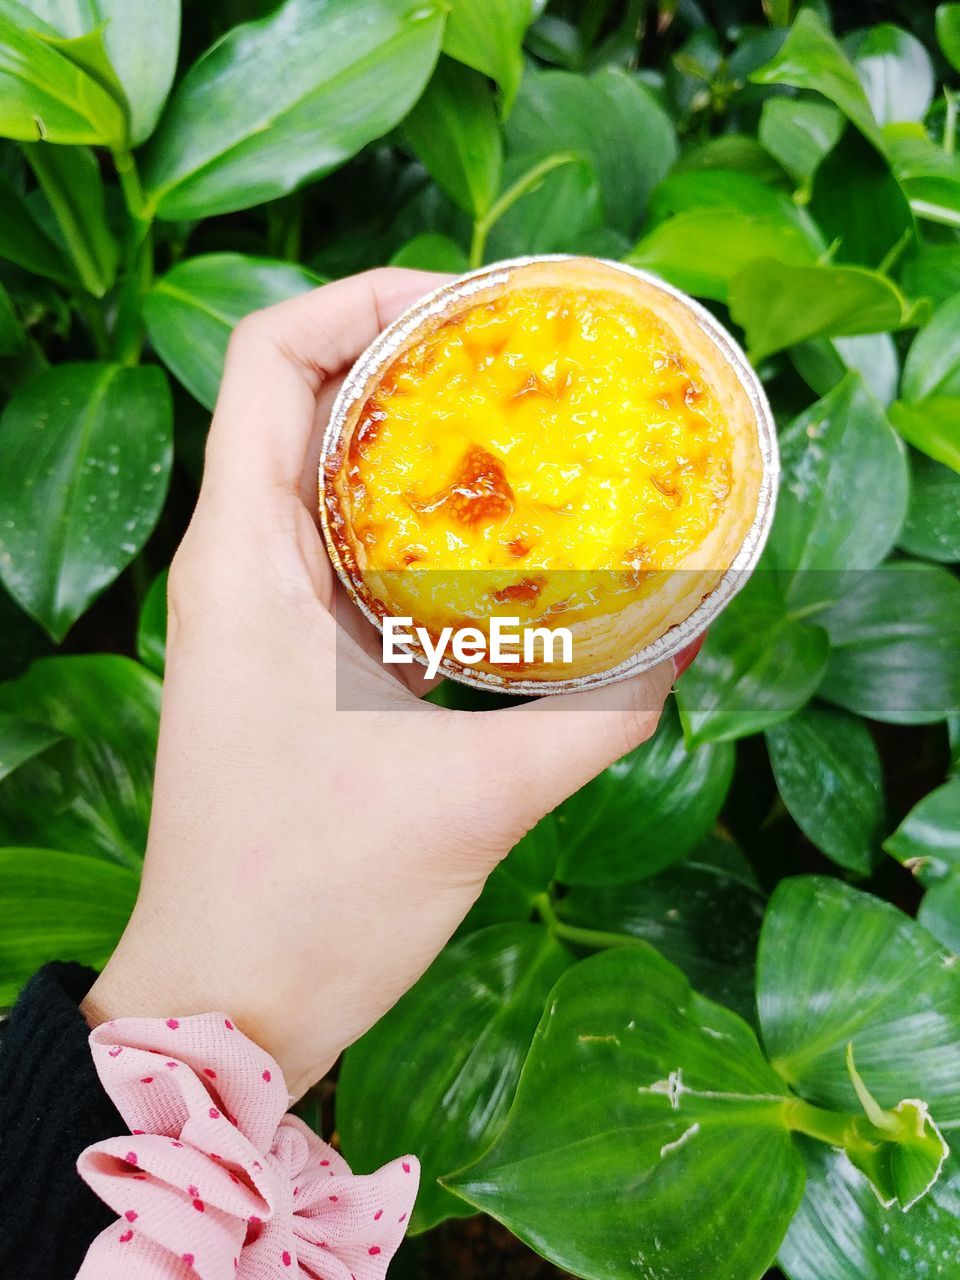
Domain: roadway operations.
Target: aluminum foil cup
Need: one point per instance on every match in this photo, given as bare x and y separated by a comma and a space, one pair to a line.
419, 320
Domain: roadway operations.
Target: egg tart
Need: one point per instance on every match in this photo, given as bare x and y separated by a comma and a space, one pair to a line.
562, 441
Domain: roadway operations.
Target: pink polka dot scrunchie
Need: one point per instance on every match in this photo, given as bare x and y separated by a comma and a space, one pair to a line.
214, 1179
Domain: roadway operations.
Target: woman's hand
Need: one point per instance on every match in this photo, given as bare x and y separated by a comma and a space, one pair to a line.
305, 864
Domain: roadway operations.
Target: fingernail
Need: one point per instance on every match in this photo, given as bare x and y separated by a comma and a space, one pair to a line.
683, 659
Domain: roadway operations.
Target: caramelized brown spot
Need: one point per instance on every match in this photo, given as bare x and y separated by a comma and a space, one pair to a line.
669, 487
550, 387
518, 547
525, 591
479, 494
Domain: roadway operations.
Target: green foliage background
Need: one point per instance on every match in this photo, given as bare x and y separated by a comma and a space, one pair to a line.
675, 1035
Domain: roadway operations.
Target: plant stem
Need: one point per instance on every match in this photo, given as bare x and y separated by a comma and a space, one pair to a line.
482, 226
950, 123
598, 939
138, 257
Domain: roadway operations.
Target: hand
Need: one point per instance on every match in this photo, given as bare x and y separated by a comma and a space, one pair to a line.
306, 864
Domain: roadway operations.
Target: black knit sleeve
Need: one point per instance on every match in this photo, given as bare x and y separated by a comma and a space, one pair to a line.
52, 1106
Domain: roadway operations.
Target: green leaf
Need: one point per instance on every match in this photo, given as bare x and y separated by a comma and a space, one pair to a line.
152, 627
893, 653
928, 839
810, 58
703, 919
836, 457
93, 794
758, 666
929, 175
12, 336
932, 529
638, 1101
841, 1230
731, 151
515, 884
278, 102
609, 119
932, 271
191, 311
932, 426
438, 1073
799, 133
859, 205
455, 132
488, 36
948, 32
21, 741
940, 911
932, 367
82, 490
58, 906
837, 966
559, 213
47, 90
703, 252
22, 241
645, 811
70, 179
895, 71
431, 252
688, 191
779, 304
824, 362
141, 38
829, 776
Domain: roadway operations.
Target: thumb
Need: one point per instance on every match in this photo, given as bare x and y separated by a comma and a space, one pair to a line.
550, 748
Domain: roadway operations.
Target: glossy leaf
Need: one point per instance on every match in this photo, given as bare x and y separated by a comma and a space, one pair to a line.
841, 1230
703, 919
487, 35
558, 214
838, 967
928, 839
58, 906
836, 457
141, 38
895, 71
811, 58
859, 205
948, 32
286, 99
455, 132
939, 911
932, 271
438, 1073
609, 119
829, 776
639, 1099
704, 252
893, 651
21, 741
431, 252
152, 627
688, 191
932, 367
825, 362
645, 811
70, 179
758, 666
932, 426
779, 304
24, 242
929, 175
799, 133
92, 794
88, 451
932, 528
513, 887
12, 336
191, 311
46, 95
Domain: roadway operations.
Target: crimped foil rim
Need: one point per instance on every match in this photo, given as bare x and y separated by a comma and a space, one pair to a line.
388, 344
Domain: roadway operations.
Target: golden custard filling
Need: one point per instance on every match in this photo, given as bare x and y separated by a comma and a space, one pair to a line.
572, 445
547, 429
